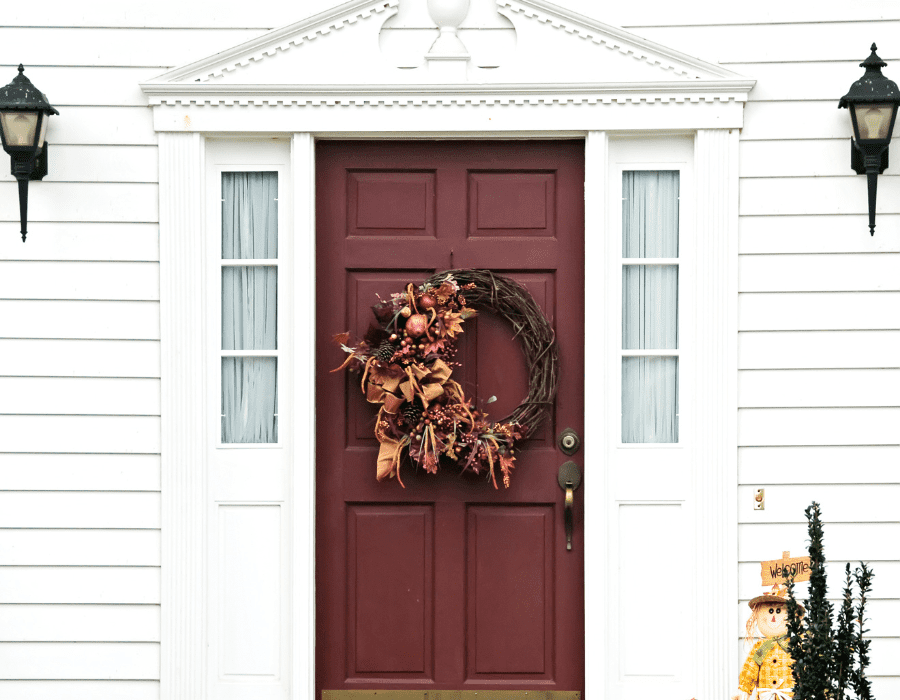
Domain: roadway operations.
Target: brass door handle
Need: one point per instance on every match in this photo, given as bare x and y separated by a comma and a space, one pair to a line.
569, 479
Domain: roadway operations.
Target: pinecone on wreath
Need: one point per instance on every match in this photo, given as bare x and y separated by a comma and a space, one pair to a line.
412, 413
385, 351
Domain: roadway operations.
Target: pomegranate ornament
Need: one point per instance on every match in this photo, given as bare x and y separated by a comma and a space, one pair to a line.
416, 325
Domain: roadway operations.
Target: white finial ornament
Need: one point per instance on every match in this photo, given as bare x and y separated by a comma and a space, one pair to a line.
448, 15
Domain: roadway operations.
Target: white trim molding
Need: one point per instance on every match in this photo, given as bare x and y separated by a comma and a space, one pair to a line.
183, 367
715, 467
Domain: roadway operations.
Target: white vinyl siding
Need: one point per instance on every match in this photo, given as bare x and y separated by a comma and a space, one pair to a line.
819, 306
80, 354
819, 334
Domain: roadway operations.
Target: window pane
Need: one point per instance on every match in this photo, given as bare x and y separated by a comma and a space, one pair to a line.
650, 307
249, 399
249, 216
649, 399
249, 308
650, 214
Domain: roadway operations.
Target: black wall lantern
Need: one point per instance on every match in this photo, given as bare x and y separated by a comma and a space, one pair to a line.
873, 102
24, 113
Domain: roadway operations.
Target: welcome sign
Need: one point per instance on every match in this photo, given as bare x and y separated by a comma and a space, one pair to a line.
778, 570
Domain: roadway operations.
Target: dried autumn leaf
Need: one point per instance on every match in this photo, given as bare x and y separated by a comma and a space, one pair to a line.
341, 338
452, 324
445, 291
506, 466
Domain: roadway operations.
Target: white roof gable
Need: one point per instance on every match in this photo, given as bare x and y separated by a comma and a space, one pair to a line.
535, 44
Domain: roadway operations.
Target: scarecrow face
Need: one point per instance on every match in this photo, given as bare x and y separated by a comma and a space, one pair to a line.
771, 618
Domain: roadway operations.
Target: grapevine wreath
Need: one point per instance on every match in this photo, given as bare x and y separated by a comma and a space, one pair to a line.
406, 363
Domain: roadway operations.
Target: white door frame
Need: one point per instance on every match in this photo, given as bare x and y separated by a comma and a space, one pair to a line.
682, 96
184, 409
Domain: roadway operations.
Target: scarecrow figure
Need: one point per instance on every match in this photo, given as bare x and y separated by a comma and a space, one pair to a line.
766, 674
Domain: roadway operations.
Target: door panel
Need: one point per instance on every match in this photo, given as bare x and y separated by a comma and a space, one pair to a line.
447, 583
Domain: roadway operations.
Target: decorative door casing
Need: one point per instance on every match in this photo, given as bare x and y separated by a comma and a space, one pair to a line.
184, 619
708, 108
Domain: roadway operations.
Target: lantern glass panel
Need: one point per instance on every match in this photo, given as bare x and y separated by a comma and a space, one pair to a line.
44, 122
873, 121
19, 127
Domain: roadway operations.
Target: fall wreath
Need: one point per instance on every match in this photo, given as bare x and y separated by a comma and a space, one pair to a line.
406, 363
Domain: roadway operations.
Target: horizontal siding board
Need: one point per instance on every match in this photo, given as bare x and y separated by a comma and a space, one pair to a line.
885, 686
79, 509
764, 13
79, 547
74, 472
790, 121
821, 158
776, 43
107, 126
818, 234
886, 585
869, 542
819, 349
818, 426
79, 623
101, 164
137, 320
79, 660
844, 503
109, 281
866, 464
802, 80
68, 86
816, 387
831, 195
83, 201
117, 46
80, 358
883, 615
80, 240
79, 396
165, 14
80, 585
820, 273
79, 690
122, 434
827, 311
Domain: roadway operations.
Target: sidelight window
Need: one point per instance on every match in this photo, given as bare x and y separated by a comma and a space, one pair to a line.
650, 343
249, 269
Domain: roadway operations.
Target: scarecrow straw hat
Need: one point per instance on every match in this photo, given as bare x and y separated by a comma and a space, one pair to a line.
778, 594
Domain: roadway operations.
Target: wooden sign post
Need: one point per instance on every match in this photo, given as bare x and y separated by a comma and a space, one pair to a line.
777, 570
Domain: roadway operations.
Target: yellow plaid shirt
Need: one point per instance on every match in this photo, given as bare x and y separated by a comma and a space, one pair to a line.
767, 669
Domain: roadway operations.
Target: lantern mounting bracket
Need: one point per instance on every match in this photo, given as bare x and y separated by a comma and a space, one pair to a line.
858, 159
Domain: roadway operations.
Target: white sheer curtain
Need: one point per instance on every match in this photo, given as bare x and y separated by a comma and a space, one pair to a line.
249, 312
650, 306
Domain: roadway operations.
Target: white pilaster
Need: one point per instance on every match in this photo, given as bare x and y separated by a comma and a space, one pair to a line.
181, 202
715, 468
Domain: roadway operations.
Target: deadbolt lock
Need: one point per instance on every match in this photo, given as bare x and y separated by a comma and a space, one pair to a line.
569, 442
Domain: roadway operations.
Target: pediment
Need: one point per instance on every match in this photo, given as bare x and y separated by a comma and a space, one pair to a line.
508, 46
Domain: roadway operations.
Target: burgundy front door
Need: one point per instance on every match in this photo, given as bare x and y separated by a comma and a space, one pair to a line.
448, 583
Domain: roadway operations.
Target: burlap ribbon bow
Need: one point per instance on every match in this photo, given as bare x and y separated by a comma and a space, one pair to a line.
393, 388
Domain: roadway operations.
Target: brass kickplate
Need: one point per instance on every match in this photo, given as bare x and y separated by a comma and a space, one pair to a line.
451, 695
